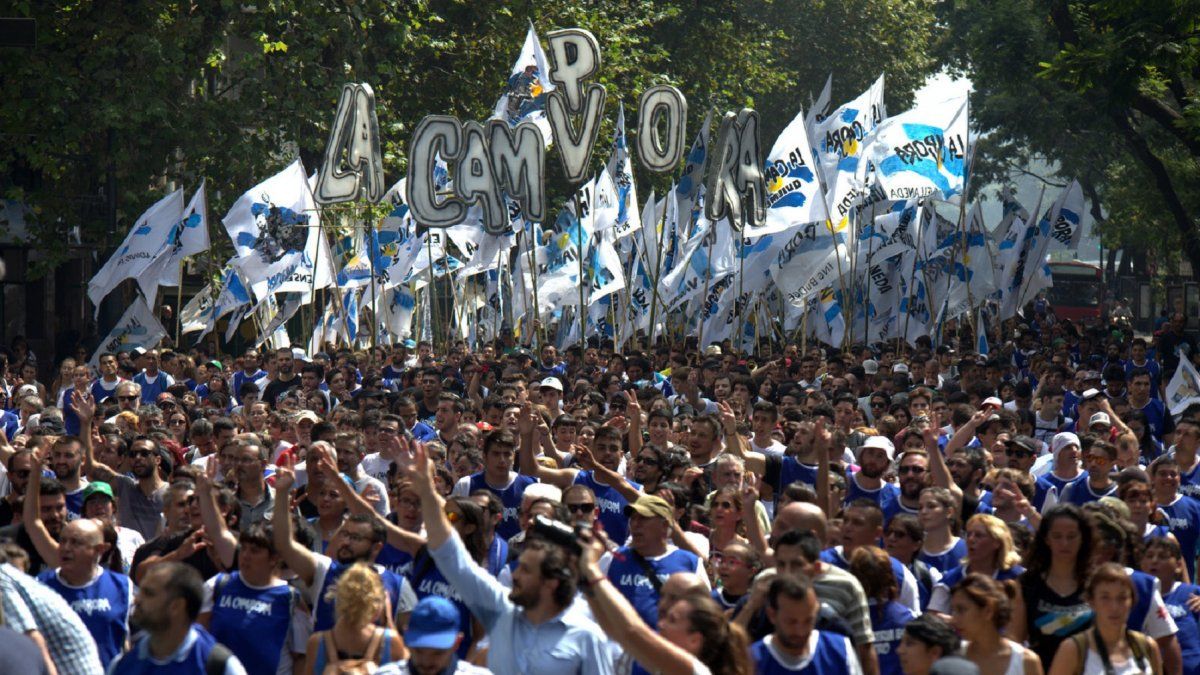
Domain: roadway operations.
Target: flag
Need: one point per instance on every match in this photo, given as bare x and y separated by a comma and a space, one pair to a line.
1184, 387
793, 191
1067, 228
350, 316
273, 317
141, 247
620, 168
981, 342
687, 190
706, 258
919, 152
188, 236
277, 236
838, 141
819, 110
525, 93
811, 258
138, 327
604, 269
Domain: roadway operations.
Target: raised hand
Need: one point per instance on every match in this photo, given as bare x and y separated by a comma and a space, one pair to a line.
525, 424
285, 473
728, 417
84, 405
195, 541
749, 492
585, 458
631, 407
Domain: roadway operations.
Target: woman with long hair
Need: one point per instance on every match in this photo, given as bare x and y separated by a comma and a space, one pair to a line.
873, 568
990, 552
693, 636
1109, 647
980, 608
1050, 607
938, 515
725, 515
354, 638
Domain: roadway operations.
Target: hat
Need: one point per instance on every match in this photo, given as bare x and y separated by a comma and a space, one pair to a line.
98, 488
1100, 418
1025, 443
138, 351
51, 425
1092, 375
992, 400
216, 364
651, 506
433, 624
712, 350
1090, 394
551, 383
1118, 505
410, 344
484, 426
299, 354
870, 367
1062, 440
880, 442
26, 390
166, 396
305, 415
900, 368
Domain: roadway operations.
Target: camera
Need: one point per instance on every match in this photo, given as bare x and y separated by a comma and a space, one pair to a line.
558, 533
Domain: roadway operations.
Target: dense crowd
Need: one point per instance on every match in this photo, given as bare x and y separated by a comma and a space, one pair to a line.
684, 508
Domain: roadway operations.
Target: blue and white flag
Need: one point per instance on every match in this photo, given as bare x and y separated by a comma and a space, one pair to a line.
187, 237
1024, 265
349, 327
687, 190
838, 142
981, 341
812, 258
819, 109
140, 249
277, 236
525, 92
920, 152
620, 168
138, 327
793, 191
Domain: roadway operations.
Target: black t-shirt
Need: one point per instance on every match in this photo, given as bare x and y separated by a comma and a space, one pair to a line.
17, 534
166, 543
8, 513
276, 387
1051, 618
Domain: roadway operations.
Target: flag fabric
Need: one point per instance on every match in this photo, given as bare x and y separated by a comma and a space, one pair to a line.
688, 189
811, 259
620, 169
138, 327
1184, 387
277, 237
981, 341
819, 110
793, 191
920, 152
187, 237
838, 142
141, 247
525, 92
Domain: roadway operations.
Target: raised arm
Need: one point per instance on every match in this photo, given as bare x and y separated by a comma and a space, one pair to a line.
937, 461
45, 545
409, 542
222, 539
85, 410
606, 475
621, 622
299, 559
530, 430
755, 462
433, 507
634, 412
822, 438
754, 528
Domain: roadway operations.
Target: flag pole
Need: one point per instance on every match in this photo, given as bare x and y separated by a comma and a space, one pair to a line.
371, 258
179, 303
579, 259
657, 272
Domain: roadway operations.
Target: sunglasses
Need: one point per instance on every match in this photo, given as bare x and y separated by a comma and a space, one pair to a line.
581, 508
1020, 454
647, 460
915, 470
141, 453
896, 533
128, 398
723, 505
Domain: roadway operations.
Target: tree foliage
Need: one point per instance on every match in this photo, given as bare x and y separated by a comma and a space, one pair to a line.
120, 100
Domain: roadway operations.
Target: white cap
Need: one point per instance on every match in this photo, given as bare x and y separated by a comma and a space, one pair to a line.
26, 390
299, 354
880, 442
1063, 440
1090, 394
870, 366
1100, 418
712, 350
551, 382
900, 368
992, 400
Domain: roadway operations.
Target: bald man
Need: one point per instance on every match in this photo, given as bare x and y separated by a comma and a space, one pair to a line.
102, 598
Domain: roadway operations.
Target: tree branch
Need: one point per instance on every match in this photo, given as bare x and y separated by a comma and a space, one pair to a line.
1168, 118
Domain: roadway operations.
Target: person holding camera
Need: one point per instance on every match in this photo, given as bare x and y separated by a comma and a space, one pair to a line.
530, 628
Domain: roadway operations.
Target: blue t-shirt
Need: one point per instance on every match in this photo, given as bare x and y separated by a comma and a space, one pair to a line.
427, 580
510, 496
1050, 482
831, 656
323, 614
151, 390
630, 578
946, 560
103, 604
192, 662
1188, 622
885, 494
254, 623
1189, 482
423, 432
70, 418
611, 504
240, 377
1183, 520
102, 390
888, 622
1155, 374
1081, 492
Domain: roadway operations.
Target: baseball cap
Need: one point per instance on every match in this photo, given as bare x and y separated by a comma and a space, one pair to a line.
306, 415
992, 400
552, 383
410, 344
870, 367
712, 350
1090, 394
651, 506
433, 624
880, 442
1025, 443
26, 390
98, 488
900, 368
1062, 440
138, 351
1100, 418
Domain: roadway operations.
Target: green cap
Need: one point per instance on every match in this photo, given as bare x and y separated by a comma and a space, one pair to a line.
98, 488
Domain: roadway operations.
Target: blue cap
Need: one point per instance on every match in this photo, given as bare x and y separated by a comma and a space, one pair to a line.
410, 343
433, 624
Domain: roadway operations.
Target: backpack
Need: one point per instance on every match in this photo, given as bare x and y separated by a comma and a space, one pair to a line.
365, 665
1139, 646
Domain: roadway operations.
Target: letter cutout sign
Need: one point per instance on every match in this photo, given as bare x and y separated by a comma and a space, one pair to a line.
353, 165
661, 152
735, 184
576, 57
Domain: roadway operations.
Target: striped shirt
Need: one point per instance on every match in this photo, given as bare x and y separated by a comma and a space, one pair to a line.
838, 589
29, 606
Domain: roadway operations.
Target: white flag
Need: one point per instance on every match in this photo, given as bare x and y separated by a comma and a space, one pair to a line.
919, 152
524, 98
1184, 387
793, 192
620, 168
188, 236
141, 247
138, 327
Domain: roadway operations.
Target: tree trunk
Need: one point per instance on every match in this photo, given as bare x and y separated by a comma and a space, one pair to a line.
1188, 234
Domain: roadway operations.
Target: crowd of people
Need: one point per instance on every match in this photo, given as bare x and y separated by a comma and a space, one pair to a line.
879, 509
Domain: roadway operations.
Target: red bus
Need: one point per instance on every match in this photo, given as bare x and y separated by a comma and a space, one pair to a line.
1078, 291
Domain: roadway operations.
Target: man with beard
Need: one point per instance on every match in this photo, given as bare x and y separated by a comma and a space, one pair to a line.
359, 539
19, 466
796, 644
913, 473
166, 608
285, 376
432, 638
140, 497
53, 512
530, 628
66, 460
874, 457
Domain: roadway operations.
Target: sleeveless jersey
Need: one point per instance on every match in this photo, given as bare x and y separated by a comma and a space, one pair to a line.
830, 656
254, 623
946, 560
628, 576
510, 496
611, 504
103, 605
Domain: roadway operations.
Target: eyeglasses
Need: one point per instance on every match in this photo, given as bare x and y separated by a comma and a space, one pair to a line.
583, 509
141, 453
646, 460
166, 404
915, 470
723, 505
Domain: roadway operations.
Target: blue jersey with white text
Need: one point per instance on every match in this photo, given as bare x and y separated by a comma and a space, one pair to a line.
1183, 520
611, 504
630, 578
510, 496
254, 623
103, 604
1188, 623
888, 622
